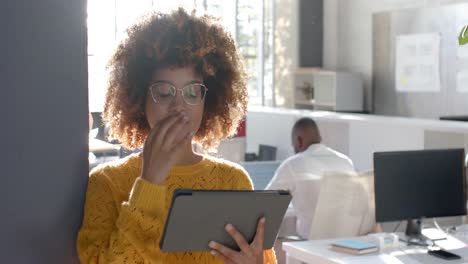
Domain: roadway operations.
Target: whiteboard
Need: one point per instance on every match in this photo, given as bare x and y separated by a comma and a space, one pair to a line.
394, 31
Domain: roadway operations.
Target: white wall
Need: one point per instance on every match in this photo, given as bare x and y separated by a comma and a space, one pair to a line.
348, 33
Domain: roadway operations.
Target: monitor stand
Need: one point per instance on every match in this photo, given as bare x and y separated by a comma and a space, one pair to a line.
413, 228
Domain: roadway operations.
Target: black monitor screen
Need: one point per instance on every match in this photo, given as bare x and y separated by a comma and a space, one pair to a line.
419, 184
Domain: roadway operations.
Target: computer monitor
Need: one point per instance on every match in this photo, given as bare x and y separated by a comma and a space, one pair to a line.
411, 185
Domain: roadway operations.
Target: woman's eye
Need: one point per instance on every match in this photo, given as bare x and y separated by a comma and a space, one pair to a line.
165, 92
192, 94
164, 95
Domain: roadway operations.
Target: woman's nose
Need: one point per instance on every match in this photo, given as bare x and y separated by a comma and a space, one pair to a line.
178, 102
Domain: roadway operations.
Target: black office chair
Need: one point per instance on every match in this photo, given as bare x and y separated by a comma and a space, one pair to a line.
266, 152
98, 123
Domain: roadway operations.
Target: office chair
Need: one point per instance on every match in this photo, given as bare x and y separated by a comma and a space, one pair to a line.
343, 207
98, 123
266, 152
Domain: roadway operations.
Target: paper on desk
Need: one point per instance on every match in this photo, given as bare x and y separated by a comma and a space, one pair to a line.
450, 243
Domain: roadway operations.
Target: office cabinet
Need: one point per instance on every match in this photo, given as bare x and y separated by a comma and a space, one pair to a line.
338, 91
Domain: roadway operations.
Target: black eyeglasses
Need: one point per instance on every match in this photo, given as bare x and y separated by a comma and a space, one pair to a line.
164, 93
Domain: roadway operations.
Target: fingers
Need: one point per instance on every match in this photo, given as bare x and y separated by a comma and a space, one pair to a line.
186, 139
155, 130
239, 238
225, 253
165, 126
260, 235
159, 132
252, 253
176, 134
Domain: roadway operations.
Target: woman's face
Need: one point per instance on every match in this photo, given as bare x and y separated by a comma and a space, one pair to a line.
188, 86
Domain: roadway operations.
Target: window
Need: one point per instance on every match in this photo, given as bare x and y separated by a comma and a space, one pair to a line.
250, 23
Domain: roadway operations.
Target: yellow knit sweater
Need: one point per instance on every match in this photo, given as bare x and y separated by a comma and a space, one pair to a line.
125, 215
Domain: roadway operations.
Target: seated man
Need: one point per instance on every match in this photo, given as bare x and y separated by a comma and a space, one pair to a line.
311, 160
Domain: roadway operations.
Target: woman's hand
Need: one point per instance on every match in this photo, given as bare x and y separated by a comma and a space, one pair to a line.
248, 254
162, 146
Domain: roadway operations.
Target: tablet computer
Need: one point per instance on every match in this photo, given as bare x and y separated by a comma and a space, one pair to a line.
197, 217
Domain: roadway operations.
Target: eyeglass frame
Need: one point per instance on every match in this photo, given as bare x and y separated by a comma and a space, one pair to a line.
176, 90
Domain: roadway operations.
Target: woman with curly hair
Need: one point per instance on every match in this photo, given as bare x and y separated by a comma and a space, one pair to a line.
177, 79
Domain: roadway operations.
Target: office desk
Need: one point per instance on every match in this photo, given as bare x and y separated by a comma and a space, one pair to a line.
96, 145
317, 252
106, 150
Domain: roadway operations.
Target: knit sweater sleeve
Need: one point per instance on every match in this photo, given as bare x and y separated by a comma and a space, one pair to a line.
110, 234
245, 183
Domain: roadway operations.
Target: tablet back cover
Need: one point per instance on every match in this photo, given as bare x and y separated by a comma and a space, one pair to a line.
197, 217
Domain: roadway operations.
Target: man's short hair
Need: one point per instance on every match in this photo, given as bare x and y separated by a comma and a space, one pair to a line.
304, 123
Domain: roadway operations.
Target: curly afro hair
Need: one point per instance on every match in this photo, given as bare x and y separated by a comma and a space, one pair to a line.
177, 39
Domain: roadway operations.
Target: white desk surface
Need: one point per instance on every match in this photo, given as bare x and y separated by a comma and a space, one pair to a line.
318, 252
99, 145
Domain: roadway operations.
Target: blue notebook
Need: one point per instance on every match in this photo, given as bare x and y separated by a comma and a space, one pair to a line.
353, 246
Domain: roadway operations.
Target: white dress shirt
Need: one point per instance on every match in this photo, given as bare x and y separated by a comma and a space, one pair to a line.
307, 165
